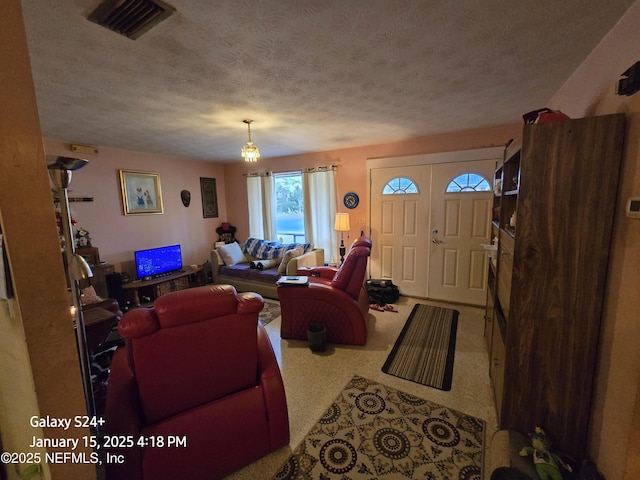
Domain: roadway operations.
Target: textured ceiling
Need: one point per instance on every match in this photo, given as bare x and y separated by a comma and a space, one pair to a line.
314, 75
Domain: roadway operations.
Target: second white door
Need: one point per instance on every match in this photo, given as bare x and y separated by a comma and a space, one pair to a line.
460, 224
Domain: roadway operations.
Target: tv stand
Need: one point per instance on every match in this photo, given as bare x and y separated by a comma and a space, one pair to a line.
149, 290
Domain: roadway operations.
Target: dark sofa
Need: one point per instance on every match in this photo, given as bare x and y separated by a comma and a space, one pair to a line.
247, 279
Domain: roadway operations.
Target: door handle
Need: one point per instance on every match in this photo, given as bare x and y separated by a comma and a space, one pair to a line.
436, 241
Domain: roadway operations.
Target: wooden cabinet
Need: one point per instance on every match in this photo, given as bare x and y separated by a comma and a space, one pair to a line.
496, 364
505, 262
489, 315
554, 212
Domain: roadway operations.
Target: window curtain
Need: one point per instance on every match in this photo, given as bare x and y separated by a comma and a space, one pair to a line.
261, 200
320, 210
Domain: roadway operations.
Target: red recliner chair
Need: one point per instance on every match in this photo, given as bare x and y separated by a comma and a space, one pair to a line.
335, 298
196, 391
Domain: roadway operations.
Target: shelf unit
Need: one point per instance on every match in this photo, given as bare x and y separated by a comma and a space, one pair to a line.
144, 292
554, 197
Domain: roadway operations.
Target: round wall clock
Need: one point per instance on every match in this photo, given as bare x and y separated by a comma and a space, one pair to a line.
351, 200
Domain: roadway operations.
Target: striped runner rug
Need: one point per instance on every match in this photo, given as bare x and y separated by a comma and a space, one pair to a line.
425, 349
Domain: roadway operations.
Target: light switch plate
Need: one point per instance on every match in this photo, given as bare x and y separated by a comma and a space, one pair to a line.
633, 207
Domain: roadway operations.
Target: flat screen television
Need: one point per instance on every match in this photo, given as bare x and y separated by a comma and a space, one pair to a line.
156, 261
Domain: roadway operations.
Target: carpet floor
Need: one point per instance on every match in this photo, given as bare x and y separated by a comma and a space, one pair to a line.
374, 432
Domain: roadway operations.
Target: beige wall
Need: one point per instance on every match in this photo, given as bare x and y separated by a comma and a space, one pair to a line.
615, 426
39, 372
117, 235
352, 171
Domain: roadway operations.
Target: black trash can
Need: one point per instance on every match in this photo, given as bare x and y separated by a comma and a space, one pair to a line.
317, 336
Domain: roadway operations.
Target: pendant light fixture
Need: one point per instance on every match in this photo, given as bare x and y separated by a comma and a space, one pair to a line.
250, 152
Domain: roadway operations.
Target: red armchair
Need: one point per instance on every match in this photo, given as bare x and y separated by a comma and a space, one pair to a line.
335, 298
197, 370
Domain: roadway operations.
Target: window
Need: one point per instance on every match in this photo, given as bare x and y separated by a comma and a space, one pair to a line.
294, 207
289, 200
468, 182
399, 185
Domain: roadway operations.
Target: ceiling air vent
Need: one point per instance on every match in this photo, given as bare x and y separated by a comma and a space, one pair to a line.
131, 18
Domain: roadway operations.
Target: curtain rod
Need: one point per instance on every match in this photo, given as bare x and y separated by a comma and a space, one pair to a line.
322, 168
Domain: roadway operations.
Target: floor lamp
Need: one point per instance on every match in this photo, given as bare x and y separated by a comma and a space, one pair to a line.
342, 225
78, 269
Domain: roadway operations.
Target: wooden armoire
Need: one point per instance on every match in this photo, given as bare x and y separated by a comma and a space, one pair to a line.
554, 201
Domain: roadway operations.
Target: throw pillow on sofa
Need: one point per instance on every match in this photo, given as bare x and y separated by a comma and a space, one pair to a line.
289, 254
264, 264
264, 249
231, 254
261, 249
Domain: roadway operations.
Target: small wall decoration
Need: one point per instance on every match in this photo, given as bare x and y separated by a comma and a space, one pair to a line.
351, 200
141, 192
209, 197
185, 195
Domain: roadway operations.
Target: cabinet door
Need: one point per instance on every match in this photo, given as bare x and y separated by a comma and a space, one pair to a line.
505, 271
569, 177
489, 314
496, 365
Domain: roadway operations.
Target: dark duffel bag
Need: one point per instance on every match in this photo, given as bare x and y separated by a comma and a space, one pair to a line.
381, 291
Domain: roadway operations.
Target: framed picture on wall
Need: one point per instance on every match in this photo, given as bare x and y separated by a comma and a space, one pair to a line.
141, 193
209, 197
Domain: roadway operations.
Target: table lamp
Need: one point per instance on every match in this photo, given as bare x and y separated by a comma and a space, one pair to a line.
342, 225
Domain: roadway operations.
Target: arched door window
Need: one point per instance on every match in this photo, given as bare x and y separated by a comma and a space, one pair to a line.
468, 182
400, 186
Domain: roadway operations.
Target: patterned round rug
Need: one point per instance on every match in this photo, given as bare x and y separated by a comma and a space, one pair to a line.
375, 432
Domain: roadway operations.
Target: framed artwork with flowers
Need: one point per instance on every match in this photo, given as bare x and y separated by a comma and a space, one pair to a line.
141, 193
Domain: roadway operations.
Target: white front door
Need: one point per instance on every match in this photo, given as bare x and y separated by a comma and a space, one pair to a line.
449, 264
400, 229
460, 224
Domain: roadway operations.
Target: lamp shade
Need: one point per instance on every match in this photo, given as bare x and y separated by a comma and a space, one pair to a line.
342, 222
67, 163
79, 269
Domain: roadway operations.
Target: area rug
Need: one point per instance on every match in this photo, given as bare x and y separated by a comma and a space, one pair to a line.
425, 350
270, 312
375, 432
